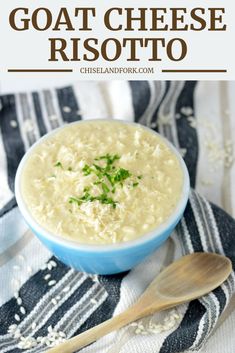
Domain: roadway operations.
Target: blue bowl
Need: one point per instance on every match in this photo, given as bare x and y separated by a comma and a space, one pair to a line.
103, 259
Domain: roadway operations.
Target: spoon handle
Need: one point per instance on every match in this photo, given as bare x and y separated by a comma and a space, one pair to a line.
98, 331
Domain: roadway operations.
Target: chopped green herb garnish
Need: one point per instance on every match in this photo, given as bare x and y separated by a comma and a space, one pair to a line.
135, 184
140, 176
86, 170
58, 164
97, 182
105, 188
87, 197
109, 177
110, 159
70, 169
121, 175
75, 200
100, 169
103, 198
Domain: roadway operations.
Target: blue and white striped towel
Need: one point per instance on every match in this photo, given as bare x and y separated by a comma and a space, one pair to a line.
41, 300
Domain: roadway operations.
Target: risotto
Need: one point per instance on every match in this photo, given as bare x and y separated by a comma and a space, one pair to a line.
102, 182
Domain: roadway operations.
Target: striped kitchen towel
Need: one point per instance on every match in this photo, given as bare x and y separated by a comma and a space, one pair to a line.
43, 302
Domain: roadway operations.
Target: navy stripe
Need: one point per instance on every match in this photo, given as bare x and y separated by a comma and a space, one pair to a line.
226, 228
155, 115
31, 292
112, 285
12, 140
193, 229
187, 135
38, 112
66, 306
67, 98
220, 295
8, 207
140, 97
184, 336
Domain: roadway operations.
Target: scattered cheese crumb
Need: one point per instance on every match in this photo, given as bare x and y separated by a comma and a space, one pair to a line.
13, 123
28, 125
93, 301
17, 317
51, 283
53, 263
67, 109
186, 111
54, 301
183, 151
19, 301
192, 122
22, 310
66, 289
170, 321
47, 276
12, 328
164, 120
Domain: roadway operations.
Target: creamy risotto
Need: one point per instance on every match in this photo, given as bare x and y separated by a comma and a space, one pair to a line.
101, 182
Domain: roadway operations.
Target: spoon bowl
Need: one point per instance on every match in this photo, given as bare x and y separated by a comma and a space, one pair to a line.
188, 278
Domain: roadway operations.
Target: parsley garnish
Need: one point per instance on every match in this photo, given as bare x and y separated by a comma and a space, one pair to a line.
75, 200
109, 177
58, 164
86, 170
110, 159
121, 175
103, 198
105, 188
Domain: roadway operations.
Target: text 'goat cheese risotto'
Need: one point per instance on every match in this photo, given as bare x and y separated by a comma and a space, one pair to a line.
102, 182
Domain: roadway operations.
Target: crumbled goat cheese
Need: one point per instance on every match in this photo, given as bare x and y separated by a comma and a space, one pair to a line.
171, 320
186, 111
13, 123
192, 122
67, 109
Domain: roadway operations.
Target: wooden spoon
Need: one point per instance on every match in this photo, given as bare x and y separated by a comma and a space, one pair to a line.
188, 278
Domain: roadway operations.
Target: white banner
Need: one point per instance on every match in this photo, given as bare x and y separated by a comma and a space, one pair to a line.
128, 39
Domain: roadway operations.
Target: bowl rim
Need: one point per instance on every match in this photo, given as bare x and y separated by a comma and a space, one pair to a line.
99, 248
